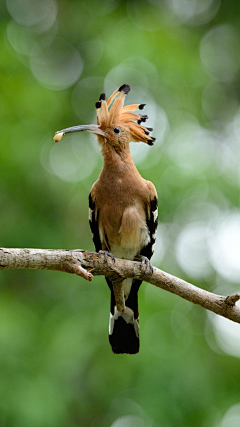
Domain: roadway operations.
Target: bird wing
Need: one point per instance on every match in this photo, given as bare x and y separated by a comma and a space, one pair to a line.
93, 221
151, 221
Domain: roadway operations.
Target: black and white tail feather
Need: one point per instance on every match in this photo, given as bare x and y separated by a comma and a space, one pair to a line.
124, 327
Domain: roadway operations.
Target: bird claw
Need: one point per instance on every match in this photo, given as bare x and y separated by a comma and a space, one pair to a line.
106, 255
149, 268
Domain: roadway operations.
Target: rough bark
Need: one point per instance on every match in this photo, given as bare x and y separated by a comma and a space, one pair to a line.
88, 264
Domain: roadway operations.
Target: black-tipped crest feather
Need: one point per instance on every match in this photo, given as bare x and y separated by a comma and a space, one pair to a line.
102, 96
111, 113
125, 88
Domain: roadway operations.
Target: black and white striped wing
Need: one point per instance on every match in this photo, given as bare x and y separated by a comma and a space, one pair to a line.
152, 223
93, 222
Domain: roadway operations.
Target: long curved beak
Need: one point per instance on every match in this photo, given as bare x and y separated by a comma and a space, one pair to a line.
81, 128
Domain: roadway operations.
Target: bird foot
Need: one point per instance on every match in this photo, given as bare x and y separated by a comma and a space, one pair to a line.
149, 268
106, 255
145, 262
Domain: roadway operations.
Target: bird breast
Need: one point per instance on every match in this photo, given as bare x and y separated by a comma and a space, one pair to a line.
124, 230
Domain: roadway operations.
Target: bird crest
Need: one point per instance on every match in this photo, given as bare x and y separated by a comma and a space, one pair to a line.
112, 113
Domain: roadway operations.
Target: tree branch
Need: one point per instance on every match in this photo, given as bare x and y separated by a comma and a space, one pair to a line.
88, 264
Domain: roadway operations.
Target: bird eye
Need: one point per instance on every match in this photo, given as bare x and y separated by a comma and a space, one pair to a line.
116, 130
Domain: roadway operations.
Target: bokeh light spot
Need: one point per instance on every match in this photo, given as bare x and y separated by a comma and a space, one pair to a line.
227, 335
72, 160
197, 149
193, 12
34, 14
232, 417
56, 66
219, 103
225, 248
192, 250
219, 51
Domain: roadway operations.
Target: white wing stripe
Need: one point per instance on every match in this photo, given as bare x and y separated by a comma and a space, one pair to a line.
155, 215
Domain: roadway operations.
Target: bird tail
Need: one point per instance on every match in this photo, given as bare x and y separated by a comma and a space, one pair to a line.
124, 327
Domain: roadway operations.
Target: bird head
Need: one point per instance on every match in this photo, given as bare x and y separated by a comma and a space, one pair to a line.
116, 125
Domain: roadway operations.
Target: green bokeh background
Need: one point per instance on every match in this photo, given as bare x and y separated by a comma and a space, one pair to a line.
181, 57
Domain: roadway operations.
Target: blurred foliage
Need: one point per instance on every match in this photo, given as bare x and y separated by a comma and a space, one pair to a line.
181, 58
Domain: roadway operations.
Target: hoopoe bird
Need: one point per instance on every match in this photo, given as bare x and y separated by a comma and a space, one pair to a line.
123, 213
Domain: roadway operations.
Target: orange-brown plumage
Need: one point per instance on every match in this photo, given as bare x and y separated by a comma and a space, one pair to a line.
119, 187
133, 107
122, 206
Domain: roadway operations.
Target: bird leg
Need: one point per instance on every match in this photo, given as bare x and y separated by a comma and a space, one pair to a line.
144, 262
118, 287
118, 290
106, 255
